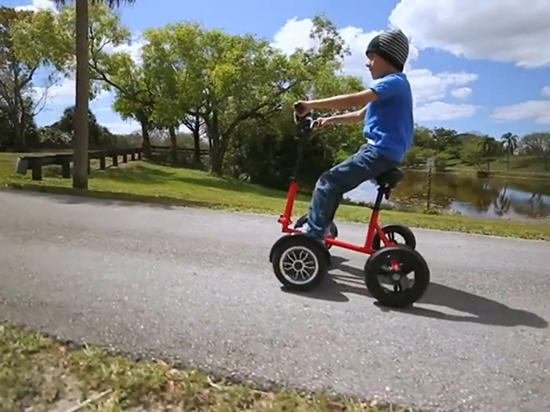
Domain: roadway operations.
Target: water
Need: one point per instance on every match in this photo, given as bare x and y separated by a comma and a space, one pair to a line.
494, 197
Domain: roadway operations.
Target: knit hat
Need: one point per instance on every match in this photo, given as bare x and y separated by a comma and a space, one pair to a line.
392, 46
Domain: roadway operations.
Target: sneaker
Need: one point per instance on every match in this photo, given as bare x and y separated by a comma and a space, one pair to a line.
306, 229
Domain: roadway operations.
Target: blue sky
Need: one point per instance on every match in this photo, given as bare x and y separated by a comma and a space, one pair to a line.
473, 65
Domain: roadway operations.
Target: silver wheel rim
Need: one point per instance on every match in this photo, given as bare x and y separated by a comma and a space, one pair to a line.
299, 265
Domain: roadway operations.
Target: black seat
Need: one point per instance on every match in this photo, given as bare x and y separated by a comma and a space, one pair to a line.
390, 178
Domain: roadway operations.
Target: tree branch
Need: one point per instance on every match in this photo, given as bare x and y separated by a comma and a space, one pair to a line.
256, 111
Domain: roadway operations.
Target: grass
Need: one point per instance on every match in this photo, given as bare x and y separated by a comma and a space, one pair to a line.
143, 181
38, 372
521, 166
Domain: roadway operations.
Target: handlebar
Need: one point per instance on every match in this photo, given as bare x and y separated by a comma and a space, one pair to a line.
304, 126
305, 123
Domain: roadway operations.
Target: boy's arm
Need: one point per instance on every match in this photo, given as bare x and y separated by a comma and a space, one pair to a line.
337, 102
351, 117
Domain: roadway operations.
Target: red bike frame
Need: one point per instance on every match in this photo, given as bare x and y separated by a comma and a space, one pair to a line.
286, 219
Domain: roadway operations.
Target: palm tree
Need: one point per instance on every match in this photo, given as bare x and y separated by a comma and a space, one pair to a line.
510, 144
80, 155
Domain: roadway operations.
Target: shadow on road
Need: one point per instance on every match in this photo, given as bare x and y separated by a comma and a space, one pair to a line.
475, 309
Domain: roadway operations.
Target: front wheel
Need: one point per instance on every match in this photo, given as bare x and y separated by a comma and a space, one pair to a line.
299, 262
397, 276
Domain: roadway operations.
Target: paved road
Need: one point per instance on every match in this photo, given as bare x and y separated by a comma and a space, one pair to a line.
195, 286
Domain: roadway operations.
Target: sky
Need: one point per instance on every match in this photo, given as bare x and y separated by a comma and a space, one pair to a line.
474, 66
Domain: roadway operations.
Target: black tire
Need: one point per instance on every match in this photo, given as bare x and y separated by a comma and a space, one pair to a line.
393, 287
400, 234
299, 262
332, 229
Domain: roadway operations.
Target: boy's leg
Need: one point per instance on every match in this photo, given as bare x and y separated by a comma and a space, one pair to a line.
364, 165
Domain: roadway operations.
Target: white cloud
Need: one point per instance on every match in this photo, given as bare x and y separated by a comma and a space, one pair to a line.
133, 49
427, 86
462, 92
58, 94
63, 93
537, 110
429, 89
444, 111
506, 30
546, 91
38, 5
122, 127
294, 35
357, 41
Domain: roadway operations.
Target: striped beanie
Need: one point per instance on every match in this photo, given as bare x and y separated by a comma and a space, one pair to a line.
392, 46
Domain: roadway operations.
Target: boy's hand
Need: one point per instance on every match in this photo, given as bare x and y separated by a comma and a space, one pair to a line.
321, 122
302, 107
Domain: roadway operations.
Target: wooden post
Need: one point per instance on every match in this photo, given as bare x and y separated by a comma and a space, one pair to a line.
430, 163
133, 156
36, 169
139, 155
102, 162
429, 186
115, 160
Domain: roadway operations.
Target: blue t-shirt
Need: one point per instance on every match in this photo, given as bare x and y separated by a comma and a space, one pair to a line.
389, 119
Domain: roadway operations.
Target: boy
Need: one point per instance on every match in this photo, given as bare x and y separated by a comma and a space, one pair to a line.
388, 128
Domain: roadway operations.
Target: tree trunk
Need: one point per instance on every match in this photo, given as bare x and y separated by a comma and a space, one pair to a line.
17, 111
146, 141
216, 156
80, 156
196, 141
173, 144
19, 137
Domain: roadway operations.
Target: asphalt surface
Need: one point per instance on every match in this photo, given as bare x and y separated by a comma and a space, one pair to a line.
195, 286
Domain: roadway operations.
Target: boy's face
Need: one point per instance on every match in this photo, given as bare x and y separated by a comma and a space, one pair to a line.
377, 65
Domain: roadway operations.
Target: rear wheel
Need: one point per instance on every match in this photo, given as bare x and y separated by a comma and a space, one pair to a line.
398, 234
397, 276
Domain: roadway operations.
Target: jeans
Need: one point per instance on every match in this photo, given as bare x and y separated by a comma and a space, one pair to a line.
364, 165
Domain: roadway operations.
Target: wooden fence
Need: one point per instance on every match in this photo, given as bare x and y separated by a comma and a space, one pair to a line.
35, 162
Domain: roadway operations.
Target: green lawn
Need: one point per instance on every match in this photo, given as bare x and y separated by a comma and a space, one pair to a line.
521, 166
144, 181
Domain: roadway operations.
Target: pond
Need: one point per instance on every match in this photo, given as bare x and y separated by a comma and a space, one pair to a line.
493, 197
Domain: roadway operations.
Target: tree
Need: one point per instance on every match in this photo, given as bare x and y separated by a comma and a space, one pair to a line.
423, 137
227, 80
480, 152
80, 157
134, 93
472, 154
509, 144
264, 152
490, 148
538, 144
20, 58
99, 135
444, 138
